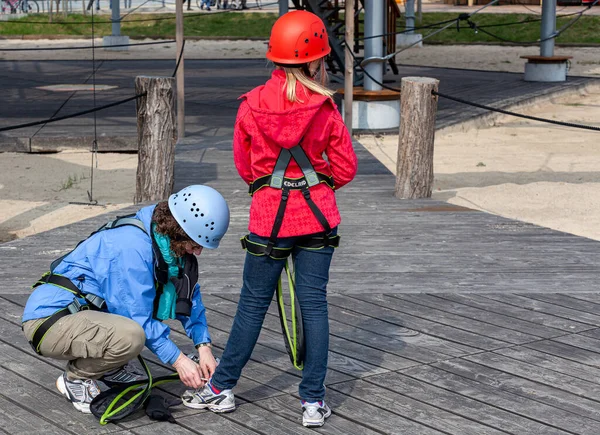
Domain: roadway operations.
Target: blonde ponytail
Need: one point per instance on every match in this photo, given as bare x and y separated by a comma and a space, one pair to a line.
296, 75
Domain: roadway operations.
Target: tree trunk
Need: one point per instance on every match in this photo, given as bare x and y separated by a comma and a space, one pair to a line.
418, 107
156, 138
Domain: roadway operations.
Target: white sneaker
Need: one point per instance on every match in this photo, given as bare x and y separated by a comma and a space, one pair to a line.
80, 392
314, 413
123, 375
206, 398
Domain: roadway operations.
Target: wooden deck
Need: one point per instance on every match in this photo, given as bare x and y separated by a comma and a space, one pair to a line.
443, 320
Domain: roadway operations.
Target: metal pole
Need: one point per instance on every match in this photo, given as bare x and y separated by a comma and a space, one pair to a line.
116, 17
420, 11
180, 76
283, 7
374, 20
548, 28
410, 16
349, 64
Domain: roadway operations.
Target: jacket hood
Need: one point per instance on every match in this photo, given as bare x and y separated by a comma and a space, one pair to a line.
279, 120
145, 215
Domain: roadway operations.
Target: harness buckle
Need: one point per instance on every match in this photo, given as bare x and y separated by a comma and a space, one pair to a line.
95, 301
285, 194
76, 306
269, 247
306, 193
276, 182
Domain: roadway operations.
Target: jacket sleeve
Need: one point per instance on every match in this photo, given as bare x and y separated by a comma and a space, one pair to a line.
241, 145
130, 292
340, 152
195, 325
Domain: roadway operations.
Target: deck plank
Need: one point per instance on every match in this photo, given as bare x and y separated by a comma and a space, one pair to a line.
462, 405
526, 407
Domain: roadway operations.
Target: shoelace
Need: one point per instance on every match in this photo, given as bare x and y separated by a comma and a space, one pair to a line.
91, 387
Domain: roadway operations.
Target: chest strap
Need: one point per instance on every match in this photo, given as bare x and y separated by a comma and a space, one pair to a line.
277, 180
291, 183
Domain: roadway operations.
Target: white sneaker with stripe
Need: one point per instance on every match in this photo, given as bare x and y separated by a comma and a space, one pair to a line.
314, 413
80, 392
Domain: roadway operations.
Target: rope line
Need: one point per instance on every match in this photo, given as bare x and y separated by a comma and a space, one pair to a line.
179, 59
481, 106
72, 115
87, 47
65, 102
518, 115
94, 150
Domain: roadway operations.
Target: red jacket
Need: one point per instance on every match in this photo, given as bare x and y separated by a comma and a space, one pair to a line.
268, 121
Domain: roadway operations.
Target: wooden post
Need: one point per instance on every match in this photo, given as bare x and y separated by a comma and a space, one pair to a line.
156, 138
349, 64
418, 107
180, 76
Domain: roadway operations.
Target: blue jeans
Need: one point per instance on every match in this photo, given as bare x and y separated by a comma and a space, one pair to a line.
260, 281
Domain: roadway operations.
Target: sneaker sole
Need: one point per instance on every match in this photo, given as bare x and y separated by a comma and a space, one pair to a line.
62, 388
317, 423
214, 408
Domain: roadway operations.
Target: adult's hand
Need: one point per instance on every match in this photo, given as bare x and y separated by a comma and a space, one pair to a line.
207, 362
189, 372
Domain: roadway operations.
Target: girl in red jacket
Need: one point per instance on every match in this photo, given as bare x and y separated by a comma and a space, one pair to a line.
283, 130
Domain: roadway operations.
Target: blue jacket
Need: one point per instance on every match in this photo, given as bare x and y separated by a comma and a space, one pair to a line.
117, 265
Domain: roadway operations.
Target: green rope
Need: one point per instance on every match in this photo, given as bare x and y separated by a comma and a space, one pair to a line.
291, 339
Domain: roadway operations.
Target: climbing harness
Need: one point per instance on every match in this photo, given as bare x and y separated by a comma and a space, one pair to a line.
92, 302
294, 340
123, 400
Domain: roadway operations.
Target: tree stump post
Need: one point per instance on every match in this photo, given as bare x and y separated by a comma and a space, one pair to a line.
418, 107
157, 135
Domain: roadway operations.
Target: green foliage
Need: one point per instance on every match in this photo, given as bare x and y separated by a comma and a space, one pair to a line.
229, 24
240, 25
71, 181
584, 31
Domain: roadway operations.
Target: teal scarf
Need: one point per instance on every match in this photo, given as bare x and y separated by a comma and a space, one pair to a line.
168, 298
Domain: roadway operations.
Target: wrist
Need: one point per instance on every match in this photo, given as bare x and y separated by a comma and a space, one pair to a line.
178, 360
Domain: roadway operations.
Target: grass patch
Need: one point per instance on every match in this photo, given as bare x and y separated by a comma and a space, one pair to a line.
230, 24
240, 25
71, 181
585, 31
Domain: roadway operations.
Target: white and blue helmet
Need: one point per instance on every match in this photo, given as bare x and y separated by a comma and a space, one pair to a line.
202, 213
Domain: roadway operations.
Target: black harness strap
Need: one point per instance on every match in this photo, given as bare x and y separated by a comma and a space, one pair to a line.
259, 249
41, 330
279, 171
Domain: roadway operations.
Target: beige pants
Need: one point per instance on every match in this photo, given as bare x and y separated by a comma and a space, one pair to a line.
94, 342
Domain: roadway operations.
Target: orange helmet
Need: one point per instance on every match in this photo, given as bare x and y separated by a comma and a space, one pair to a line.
298, 37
